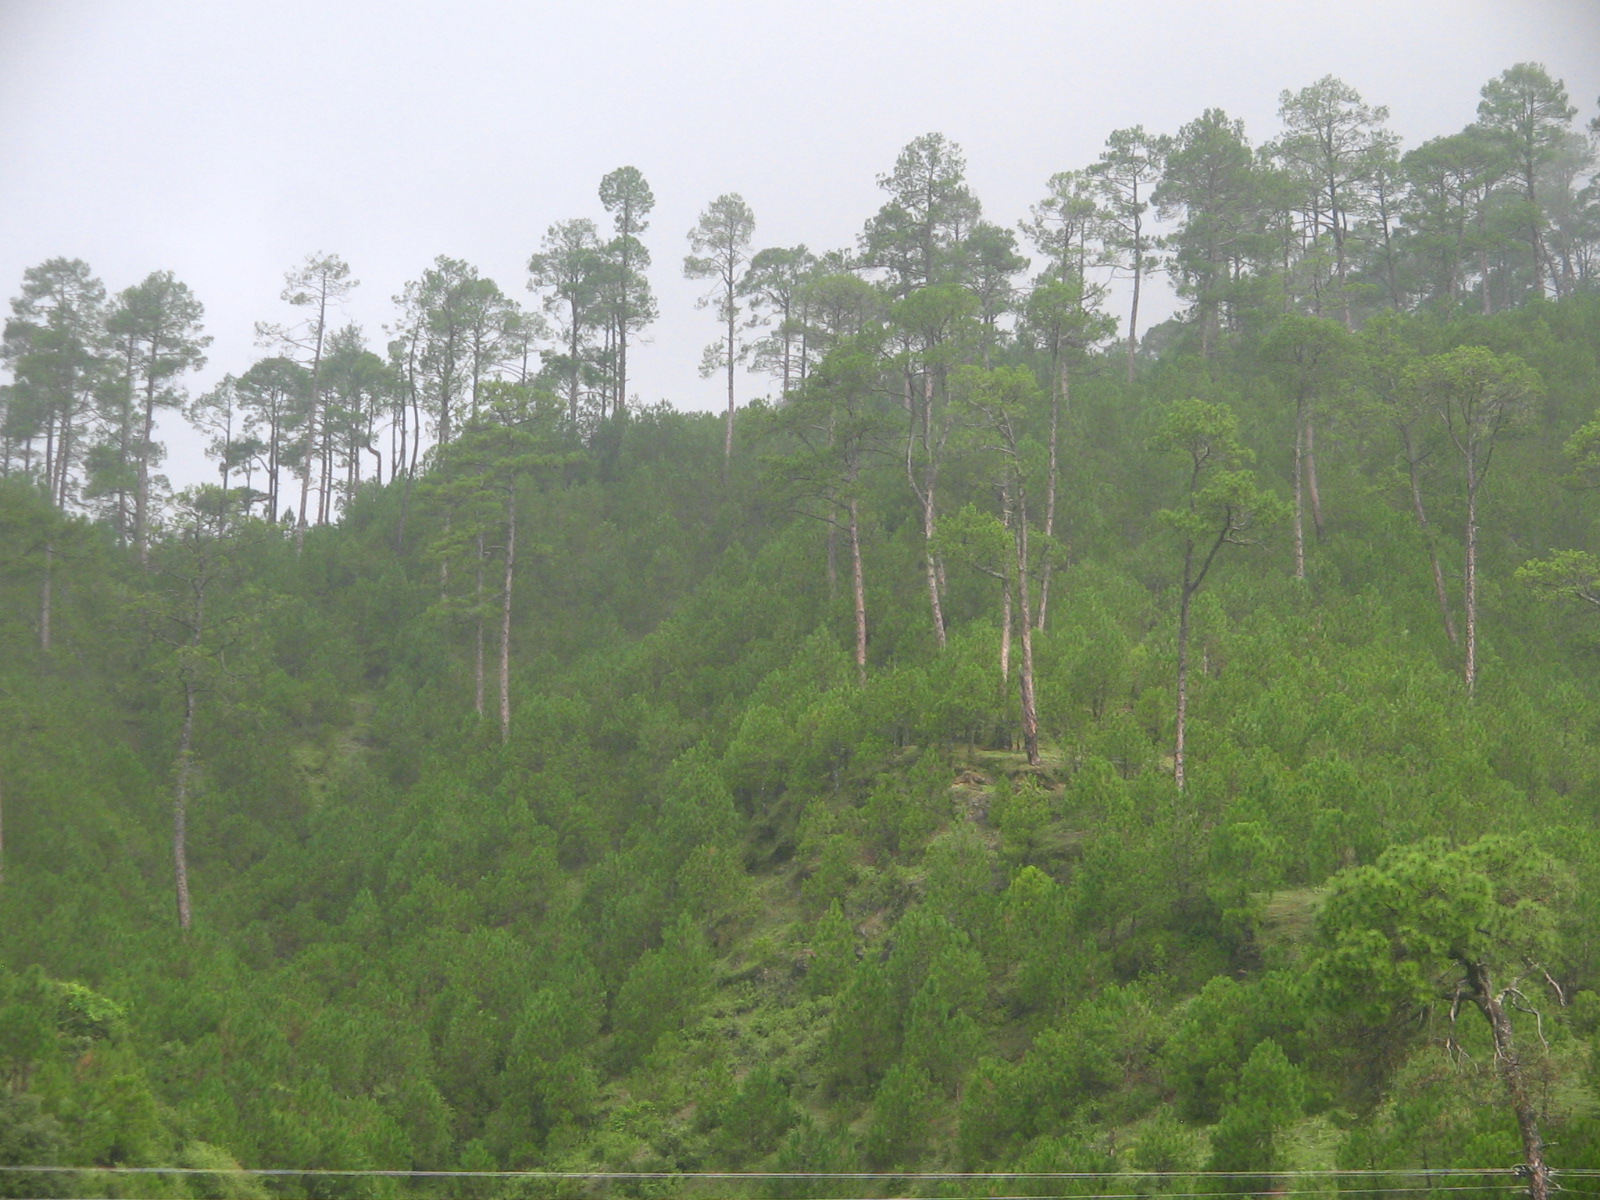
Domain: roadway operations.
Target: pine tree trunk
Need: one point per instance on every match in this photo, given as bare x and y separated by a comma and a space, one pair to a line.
1298, 474
1313, 493
1341, 266
833, 558
1030, 710
1005, 629
930, 512
309, 450
1059, 393
141, 502
1182, 717
63, 460
859, 590
574, 350
622, 334
46, 596
505, 619
1133, 321
1433, 551
180, 806
1535, 235
1509, 1068
932, 564
1470, 671
727, 442
50, 455
477, 658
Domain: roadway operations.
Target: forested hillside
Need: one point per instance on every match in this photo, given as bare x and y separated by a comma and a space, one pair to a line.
1022, 743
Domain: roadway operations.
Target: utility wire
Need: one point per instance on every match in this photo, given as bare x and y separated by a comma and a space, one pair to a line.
406, 1173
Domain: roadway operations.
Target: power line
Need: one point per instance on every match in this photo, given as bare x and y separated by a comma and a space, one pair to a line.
919, 1175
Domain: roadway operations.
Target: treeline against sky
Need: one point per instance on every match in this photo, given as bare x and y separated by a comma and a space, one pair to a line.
1330, 217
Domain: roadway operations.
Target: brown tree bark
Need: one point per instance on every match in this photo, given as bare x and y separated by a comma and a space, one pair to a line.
1470, 605
141, 497
1297, 475
47, 596
308, 448
1509, 1067
1059, 395
505, 618
1133, 321
1005, 628
924, 490
477, 657
859, 591
1313, 492
1422, 523
1030, 710
180, 806
727, 444
1181, 719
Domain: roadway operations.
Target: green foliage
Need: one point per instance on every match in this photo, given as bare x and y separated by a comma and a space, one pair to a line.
1267, 1099
897, 1134
717, 901
1399, 933
661, 992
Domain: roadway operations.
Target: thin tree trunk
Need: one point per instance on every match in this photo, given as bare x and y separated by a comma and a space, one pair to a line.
788, 342
1005, 628
727, 443
833, 558
325, 500
622, 323
1182, 718
477, 662
124, 433
308, 451
1470, 672
859, 590
932, 564
1337, 215
64, 457
1298, 475
180, 806
50, 455
930, 512
1059, 394
141, 503
416, 440
1030, 710
1536, 235
574, 349
505, 619
833, 526
1313, 493
1433, 551
47, 596
1133, 318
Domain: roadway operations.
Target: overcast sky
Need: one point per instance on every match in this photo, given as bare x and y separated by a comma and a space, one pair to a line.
225, 141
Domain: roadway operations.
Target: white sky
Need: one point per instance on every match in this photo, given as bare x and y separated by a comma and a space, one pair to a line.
225, 141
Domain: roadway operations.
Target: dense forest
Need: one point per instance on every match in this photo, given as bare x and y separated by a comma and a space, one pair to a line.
1025, 754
